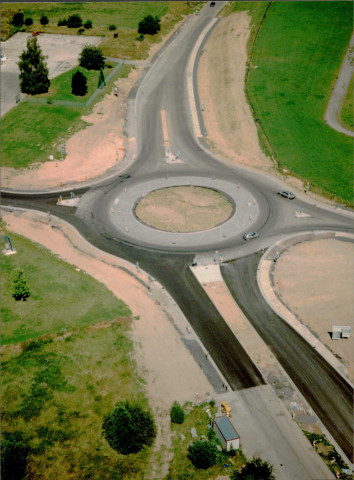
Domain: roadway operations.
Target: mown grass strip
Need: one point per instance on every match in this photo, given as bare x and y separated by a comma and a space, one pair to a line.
61, 297
347, 115
298, 53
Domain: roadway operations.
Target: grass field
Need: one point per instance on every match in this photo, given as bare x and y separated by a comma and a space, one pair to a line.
56, 389
347, 116
60, 86
298, 52
56, 393
55, 289
180, 466
31, 132
124, 15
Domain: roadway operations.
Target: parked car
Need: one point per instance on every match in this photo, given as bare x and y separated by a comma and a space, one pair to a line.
287, 194
212, 4
250, 235
34, 34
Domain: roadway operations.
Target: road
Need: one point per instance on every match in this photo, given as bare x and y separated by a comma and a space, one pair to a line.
165, 85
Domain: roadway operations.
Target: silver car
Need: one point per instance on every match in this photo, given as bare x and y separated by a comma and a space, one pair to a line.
250, 235
287, 194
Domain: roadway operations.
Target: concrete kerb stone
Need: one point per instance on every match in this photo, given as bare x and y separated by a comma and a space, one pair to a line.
266, 267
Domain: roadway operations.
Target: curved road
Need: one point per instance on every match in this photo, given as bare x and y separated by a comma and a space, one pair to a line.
165, 85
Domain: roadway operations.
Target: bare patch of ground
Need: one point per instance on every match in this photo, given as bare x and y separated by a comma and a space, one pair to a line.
221, 86
315, 281
184, 209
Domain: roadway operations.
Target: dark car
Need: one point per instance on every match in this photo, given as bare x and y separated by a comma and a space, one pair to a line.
287, 194
250, 235
212, 4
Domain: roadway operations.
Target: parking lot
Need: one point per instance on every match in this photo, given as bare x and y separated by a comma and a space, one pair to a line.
62, 52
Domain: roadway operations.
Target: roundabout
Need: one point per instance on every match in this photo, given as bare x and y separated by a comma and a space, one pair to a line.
241, 212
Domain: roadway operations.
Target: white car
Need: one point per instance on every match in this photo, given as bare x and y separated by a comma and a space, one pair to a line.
287, 194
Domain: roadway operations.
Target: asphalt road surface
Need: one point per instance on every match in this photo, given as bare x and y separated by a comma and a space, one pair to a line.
329, 395
165, 85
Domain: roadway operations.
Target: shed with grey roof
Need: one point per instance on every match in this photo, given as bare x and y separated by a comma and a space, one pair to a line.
226, 433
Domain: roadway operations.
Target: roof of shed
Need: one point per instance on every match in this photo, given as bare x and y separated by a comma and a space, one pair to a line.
226, 428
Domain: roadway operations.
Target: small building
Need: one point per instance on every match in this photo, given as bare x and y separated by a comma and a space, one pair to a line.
226, 433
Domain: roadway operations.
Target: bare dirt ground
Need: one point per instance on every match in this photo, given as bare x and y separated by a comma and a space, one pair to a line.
221, 83
183, 209
315, 281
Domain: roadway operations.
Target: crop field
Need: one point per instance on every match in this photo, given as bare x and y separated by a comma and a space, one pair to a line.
57, 386
55, 289
297, 54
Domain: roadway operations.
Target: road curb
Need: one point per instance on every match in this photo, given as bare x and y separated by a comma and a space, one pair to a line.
266, 266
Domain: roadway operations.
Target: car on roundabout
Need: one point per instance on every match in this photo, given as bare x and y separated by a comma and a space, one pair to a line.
250, 235
287, 194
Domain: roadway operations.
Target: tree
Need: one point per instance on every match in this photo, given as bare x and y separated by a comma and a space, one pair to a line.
128, 428
91, 58
33, 69
21, 290
255, 469
28, 21
202, 454
44, 20
149, 25
177, 413
14, 453
78, 84
88, 24
17, 19
74, 21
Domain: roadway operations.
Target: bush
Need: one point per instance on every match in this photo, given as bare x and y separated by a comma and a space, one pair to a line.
81, 31
128, 428
88, 24
112, 27
202, 454
177, 413
21, 290
62, 22
44, 20
17, 19
74, 21
149, 25
91, 58
255, 469
78, 84
28, 21
140, 37
14, 453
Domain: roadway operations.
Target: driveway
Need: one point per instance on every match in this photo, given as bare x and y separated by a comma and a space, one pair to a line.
62, 52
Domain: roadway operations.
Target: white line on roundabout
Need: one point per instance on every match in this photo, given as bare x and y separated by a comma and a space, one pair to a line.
126, 224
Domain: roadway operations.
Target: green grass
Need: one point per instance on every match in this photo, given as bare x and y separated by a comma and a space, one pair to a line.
57, 391
298, 53
347, 117
125, 15
180, 466
60, 86
61, 297
31, 132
